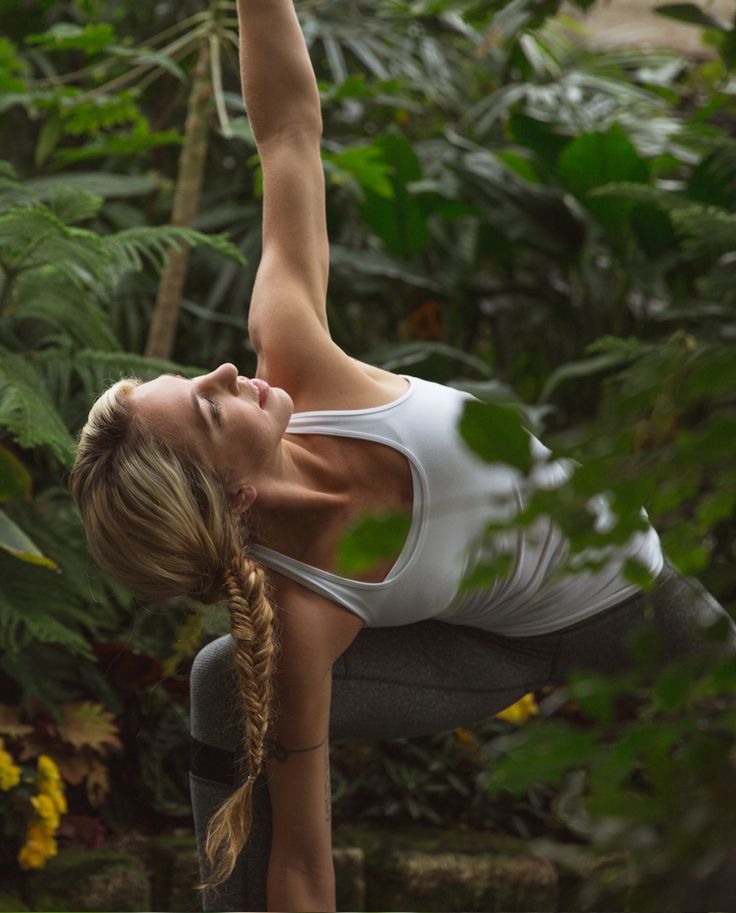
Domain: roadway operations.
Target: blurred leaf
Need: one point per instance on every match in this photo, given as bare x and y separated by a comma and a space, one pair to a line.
540, 752
690, 13
15, 480
14, 541
91, 38
88, 725
372, 538
600, 158
495, 432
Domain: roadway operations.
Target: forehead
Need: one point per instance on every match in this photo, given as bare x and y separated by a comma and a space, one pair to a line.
166, 401
166, 388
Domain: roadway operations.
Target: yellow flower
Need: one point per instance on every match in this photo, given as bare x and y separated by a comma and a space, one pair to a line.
31, 858
39, 835
9, 772
47, 768
520, 711
47, 810
39, 847
59, 800
49, 782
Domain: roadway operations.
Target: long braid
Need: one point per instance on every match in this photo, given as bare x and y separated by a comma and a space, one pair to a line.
253, 628
251, 620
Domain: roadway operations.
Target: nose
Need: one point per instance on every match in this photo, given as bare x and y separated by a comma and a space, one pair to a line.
226, 373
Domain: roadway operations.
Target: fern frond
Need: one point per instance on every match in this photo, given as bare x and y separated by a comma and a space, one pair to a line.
55, 364
97, 370
33, 236
102, 183
155, 242
74, 205
25, 618
27, 411
53, 523
45, 296
643, 193
12, 192
723, 161
706, 229
11, 627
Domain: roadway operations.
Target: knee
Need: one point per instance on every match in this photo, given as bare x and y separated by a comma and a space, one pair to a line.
215, 702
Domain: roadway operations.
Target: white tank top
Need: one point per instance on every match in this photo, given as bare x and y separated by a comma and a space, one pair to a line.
454, 492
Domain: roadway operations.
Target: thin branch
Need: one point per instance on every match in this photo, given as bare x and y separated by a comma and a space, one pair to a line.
106, 64
115, 84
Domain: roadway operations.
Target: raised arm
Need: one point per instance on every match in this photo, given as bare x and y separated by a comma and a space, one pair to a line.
279, 86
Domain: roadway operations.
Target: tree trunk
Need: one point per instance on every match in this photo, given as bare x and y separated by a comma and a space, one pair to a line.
160, 343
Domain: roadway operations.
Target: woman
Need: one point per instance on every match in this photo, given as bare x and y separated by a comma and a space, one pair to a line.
237, 488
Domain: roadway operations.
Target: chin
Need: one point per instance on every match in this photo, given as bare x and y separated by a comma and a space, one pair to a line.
289, 400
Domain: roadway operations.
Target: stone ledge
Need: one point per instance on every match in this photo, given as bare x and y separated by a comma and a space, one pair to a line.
424, 868
457, 881
89, 880
376, 868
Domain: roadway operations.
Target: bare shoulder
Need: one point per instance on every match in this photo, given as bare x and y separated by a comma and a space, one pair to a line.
326, 378
314, 631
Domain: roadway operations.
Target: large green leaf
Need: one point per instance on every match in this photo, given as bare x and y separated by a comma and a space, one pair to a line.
594, 159
14, 541
398, 220
495, 432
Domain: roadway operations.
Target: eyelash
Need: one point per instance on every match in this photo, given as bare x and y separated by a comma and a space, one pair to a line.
215, 406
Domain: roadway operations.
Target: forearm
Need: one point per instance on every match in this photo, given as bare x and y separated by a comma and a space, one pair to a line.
293, 888
278, 81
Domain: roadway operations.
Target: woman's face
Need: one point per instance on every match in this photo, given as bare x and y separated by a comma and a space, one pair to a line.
219, 414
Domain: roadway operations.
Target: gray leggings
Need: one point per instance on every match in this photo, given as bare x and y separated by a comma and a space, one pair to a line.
418, 679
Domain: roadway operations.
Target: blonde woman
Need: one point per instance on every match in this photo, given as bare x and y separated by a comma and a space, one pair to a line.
236, 488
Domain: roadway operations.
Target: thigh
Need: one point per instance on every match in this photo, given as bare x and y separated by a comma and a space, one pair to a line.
427, 677
683, 617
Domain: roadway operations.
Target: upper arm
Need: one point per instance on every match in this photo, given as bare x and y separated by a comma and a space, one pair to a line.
293, 273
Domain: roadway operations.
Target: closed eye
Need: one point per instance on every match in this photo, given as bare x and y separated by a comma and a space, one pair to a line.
214, 407
216, 412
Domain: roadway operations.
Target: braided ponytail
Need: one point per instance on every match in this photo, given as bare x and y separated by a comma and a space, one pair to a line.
252, 622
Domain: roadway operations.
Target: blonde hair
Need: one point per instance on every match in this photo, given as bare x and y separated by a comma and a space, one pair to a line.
158, 520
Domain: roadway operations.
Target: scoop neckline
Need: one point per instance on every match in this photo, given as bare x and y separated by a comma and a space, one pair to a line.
371, 409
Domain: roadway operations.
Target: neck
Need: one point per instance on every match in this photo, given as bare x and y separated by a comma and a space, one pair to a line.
297, 498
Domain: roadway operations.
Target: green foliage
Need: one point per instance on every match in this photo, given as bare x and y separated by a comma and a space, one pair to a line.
568, 213
373, 537
90, 38
494, 432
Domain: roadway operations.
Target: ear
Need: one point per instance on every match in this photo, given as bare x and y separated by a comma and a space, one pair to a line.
242, 499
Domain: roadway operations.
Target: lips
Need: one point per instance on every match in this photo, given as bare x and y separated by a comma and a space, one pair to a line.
262, 388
